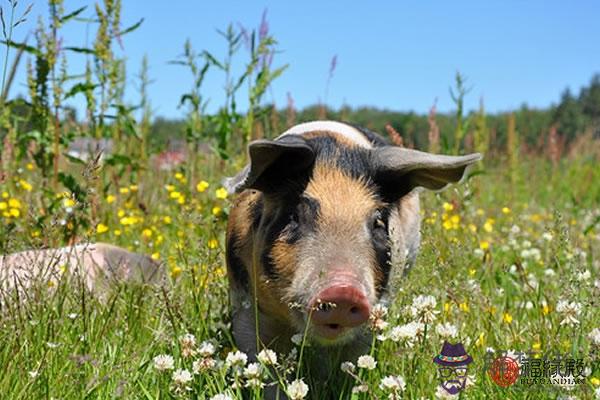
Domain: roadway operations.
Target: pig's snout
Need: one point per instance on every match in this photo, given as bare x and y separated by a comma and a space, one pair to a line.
337, 308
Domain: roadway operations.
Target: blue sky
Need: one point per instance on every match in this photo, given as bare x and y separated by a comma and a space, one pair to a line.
391, 54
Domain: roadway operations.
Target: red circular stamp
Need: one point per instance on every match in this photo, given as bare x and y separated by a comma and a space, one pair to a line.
504, 371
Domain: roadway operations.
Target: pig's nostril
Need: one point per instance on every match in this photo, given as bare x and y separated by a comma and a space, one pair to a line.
354, 310
333, 326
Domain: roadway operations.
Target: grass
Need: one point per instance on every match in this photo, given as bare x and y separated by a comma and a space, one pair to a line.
497, 257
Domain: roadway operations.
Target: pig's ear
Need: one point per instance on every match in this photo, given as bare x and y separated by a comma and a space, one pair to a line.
399, 170
273, 164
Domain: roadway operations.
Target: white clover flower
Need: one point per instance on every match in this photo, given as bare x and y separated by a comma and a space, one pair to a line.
393, 383
72, 315
163, 362
253, 370
187, 342
297, 390
478, 252
360, 389
203, 364
377, 317
547, 236
366, 362
549, 272
584, 276
423, 307
408, 332
221, 396
236, 358
532, 281
267, 357
297, 339
570, 311
447, 330
182, 377
528, 305
594, 336
532, 253
515, 229
206, 349
347, 367
597, 393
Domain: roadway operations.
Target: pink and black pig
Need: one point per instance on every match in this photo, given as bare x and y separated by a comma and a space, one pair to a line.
325, 225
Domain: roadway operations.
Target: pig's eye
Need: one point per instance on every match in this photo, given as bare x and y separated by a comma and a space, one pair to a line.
294, 220
379, 221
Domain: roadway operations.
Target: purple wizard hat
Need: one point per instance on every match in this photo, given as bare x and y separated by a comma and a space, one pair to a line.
453, 355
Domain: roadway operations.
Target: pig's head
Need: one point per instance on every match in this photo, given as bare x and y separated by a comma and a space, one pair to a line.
322, 225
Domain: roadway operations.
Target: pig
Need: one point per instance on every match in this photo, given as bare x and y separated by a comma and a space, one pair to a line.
96, 264
324, 226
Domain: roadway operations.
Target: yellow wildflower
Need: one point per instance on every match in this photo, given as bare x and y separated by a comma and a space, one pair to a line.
202, 186
507, 318
3, 205
221, 193
101, 228
472, 272
167, 220
110, 198
35, 234
133, 188
546, 309
14, 203
488, 226
216, 210
464, 307
147, 233
448, 206
213, 243
175, 195
68, 202
155, 256
14, 212
480, 342
181, 199
473, 228
447, 307
29, 166
124, 190
117, 232
595, 381
121, 213
505, 210
25, 185
176, 271
170, 188
484, 245
536, 346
